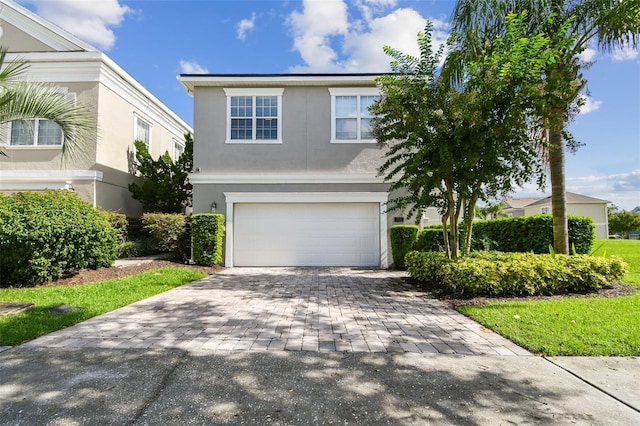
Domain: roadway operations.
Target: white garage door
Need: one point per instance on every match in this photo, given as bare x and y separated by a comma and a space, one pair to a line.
306, 234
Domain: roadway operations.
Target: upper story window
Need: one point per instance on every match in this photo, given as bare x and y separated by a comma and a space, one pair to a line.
350, 116
178, 149
35, 132
142, 131
254, 115
545, 210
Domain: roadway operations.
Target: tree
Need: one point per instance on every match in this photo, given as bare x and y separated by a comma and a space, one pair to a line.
165, 187
24, 100
609, 23
623, 222
449, 146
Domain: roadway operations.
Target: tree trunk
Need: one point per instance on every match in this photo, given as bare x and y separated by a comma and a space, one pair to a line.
558, 192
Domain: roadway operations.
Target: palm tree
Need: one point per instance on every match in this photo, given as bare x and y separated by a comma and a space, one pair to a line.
609, 24
24, 100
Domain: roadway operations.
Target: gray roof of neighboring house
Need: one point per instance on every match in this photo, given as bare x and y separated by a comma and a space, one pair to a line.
572, 198
518, 203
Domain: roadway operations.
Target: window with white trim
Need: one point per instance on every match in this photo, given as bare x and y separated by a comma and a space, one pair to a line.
35, 132
142, 131
545, 210
350, 116
254, 115
178, 149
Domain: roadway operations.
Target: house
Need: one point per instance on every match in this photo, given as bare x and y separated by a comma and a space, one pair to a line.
512, 207
125, 111
291, 161
579, 205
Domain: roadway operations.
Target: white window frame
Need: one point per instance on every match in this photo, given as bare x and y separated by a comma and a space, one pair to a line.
353, 91
136, 119
176, 155
545, 210
231, 92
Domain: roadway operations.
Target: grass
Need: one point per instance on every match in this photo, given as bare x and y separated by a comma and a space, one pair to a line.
92, 299
573, 326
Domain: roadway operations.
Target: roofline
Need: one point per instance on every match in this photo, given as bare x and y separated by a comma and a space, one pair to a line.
190, 81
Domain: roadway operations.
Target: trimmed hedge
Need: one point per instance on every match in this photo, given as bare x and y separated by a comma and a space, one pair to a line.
430, 239
531, 233
167, 230
51, 234
403, 239
515, 274
207, 236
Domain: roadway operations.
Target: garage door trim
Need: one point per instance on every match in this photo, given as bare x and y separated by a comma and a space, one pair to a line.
232, 198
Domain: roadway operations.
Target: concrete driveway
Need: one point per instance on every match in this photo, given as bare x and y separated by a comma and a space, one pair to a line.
293, 309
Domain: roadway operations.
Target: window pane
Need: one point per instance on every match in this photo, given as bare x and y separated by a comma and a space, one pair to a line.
365, 129
266, 106
346, 128
178, 149
241, 128
241, 106
365, 103
346, 106
143, 131
49, 133
22, 132
267, 128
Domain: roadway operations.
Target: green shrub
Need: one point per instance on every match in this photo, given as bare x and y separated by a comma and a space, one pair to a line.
48, 235
515, 274
403, 238
531, 234
207, 235
167, 230
430, 239
120, 222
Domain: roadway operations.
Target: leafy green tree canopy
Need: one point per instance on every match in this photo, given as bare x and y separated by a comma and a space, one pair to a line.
623, 222
165, 187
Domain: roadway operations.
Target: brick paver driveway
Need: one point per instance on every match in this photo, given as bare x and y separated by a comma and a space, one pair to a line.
296, 309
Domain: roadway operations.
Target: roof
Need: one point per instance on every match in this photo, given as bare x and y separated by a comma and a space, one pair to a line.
190, 81
519, 203
571, 198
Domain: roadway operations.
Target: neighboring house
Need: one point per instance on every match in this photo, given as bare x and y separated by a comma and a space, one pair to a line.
291, 161
579, 205
125, 111
512, 207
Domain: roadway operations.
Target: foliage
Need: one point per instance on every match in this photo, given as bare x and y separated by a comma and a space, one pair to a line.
570, 27
623, 222
629, 250
207, 234
48, 235
430, 239
515, 274
165, 187
92, 299
532, 234
167, 230
403, 238
23, 100
449, 146
120, 222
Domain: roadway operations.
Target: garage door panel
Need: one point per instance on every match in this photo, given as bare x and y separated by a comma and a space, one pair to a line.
311, 234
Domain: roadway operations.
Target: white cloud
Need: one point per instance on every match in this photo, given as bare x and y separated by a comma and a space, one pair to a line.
589, 105
621, 189
624, 54
588, 55
246, 25
87, 19
338, 44
188, 67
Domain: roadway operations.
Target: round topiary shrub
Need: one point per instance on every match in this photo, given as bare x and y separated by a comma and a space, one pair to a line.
49, 235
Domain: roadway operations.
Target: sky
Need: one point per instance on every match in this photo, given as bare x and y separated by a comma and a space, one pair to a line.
156, 40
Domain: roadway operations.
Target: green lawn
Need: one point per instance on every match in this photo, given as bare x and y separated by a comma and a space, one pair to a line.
573, 326
93, 299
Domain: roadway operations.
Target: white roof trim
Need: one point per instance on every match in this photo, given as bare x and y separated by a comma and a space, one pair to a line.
45, 31
257, 177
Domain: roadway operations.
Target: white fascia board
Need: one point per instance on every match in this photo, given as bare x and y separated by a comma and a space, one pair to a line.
306, 197
80, 67
49, 175
266, 178
41, 29
191, 81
